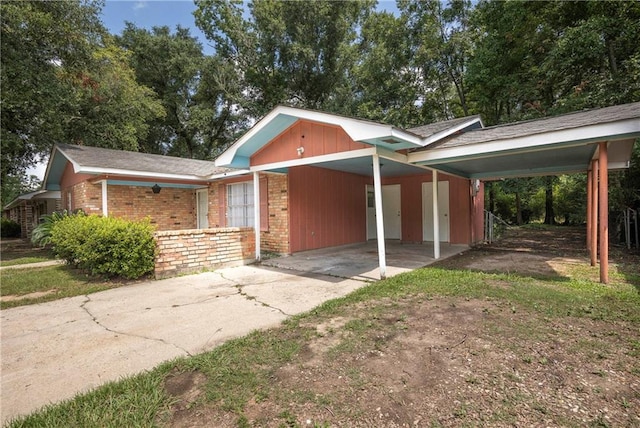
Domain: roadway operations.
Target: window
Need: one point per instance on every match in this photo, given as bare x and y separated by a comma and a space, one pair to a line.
240, 205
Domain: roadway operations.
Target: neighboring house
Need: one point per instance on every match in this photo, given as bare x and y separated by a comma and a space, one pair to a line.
306, 179
28, 209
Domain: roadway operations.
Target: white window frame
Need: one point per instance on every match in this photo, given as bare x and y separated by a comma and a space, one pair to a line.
240, 212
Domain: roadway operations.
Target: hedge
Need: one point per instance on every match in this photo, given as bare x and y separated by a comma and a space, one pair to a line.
107, 246
9, 228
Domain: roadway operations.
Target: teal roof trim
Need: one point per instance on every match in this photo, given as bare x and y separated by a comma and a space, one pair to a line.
153, 183
56, 168
271, 130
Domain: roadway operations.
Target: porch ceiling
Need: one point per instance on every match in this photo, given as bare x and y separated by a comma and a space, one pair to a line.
548, 160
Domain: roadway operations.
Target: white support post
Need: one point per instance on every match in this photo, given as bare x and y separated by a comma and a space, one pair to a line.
256, 212
436, 218
105, 203
377, 189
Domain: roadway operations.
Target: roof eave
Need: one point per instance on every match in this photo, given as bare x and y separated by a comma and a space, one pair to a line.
357, 129
92, 170
433, 138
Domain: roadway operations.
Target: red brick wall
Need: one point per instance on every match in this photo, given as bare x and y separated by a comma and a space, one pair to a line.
188, 251
84, 195
275, 237
171, 209
275, 221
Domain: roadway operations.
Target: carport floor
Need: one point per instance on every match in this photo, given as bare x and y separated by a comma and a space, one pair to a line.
360, 261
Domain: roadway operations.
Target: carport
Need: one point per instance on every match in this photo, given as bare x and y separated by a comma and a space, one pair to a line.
593, 141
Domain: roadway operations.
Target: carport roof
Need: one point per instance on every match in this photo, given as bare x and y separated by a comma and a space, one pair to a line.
559, 144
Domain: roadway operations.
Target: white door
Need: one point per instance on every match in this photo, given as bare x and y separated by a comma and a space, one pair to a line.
390, 212
202, 202
443, 211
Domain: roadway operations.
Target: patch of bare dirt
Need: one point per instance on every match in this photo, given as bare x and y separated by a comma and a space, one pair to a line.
446, 361
35, 295
185, 389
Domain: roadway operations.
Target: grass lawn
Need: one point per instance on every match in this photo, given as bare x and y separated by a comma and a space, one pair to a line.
37, 285
18, 252
440, 346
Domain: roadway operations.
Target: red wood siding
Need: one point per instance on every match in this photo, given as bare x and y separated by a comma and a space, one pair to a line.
70, 178
326, 208
411, 206
317, 139
459, 211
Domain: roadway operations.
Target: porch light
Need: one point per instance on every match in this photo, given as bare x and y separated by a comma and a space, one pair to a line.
156, 189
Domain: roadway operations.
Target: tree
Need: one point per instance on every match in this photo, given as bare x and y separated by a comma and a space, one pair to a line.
108, 107
169, 64
38, 38
441, 42
16, 185
536, 59
63, 80
386, 87
297, 53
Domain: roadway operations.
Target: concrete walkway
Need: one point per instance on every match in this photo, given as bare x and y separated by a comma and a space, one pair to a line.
52, 351
34, 265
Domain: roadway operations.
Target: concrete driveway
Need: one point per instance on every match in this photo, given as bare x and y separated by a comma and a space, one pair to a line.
52, 351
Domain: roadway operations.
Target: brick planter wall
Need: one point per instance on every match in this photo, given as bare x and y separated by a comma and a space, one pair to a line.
188, 251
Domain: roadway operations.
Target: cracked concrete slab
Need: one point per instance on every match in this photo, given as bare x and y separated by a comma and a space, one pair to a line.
52, 351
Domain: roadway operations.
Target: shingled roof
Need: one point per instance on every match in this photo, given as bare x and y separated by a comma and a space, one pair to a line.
425, 131
540, 126
109, 159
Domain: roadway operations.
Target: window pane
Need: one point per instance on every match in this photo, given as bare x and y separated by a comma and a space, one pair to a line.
240, 205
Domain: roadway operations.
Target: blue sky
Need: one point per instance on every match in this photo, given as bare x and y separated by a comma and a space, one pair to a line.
150, 13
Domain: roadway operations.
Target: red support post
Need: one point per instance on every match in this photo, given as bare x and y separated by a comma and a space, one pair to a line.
589, 204
603, 173
594, 212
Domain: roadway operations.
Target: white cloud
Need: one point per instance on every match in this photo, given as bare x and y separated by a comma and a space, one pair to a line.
140, 5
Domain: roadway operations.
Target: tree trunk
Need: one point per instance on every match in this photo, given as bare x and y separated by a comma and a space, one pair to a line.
492, 198
518, 210
549, 216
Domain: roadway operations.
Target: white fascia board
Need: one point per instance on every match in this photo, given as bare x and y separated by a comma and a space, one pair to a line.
226, 158
316, 159
566, 137
115, 171
450, 131
229, 174
76, 165
357, 129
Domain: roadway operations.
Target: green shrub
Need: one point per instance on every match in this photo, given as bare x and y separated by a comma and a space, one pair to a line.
106, 246
41, 235
9, 228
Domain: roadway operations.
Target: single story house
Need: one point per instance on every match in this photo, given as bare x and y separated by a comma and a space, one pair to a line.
303, 179
27, 209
